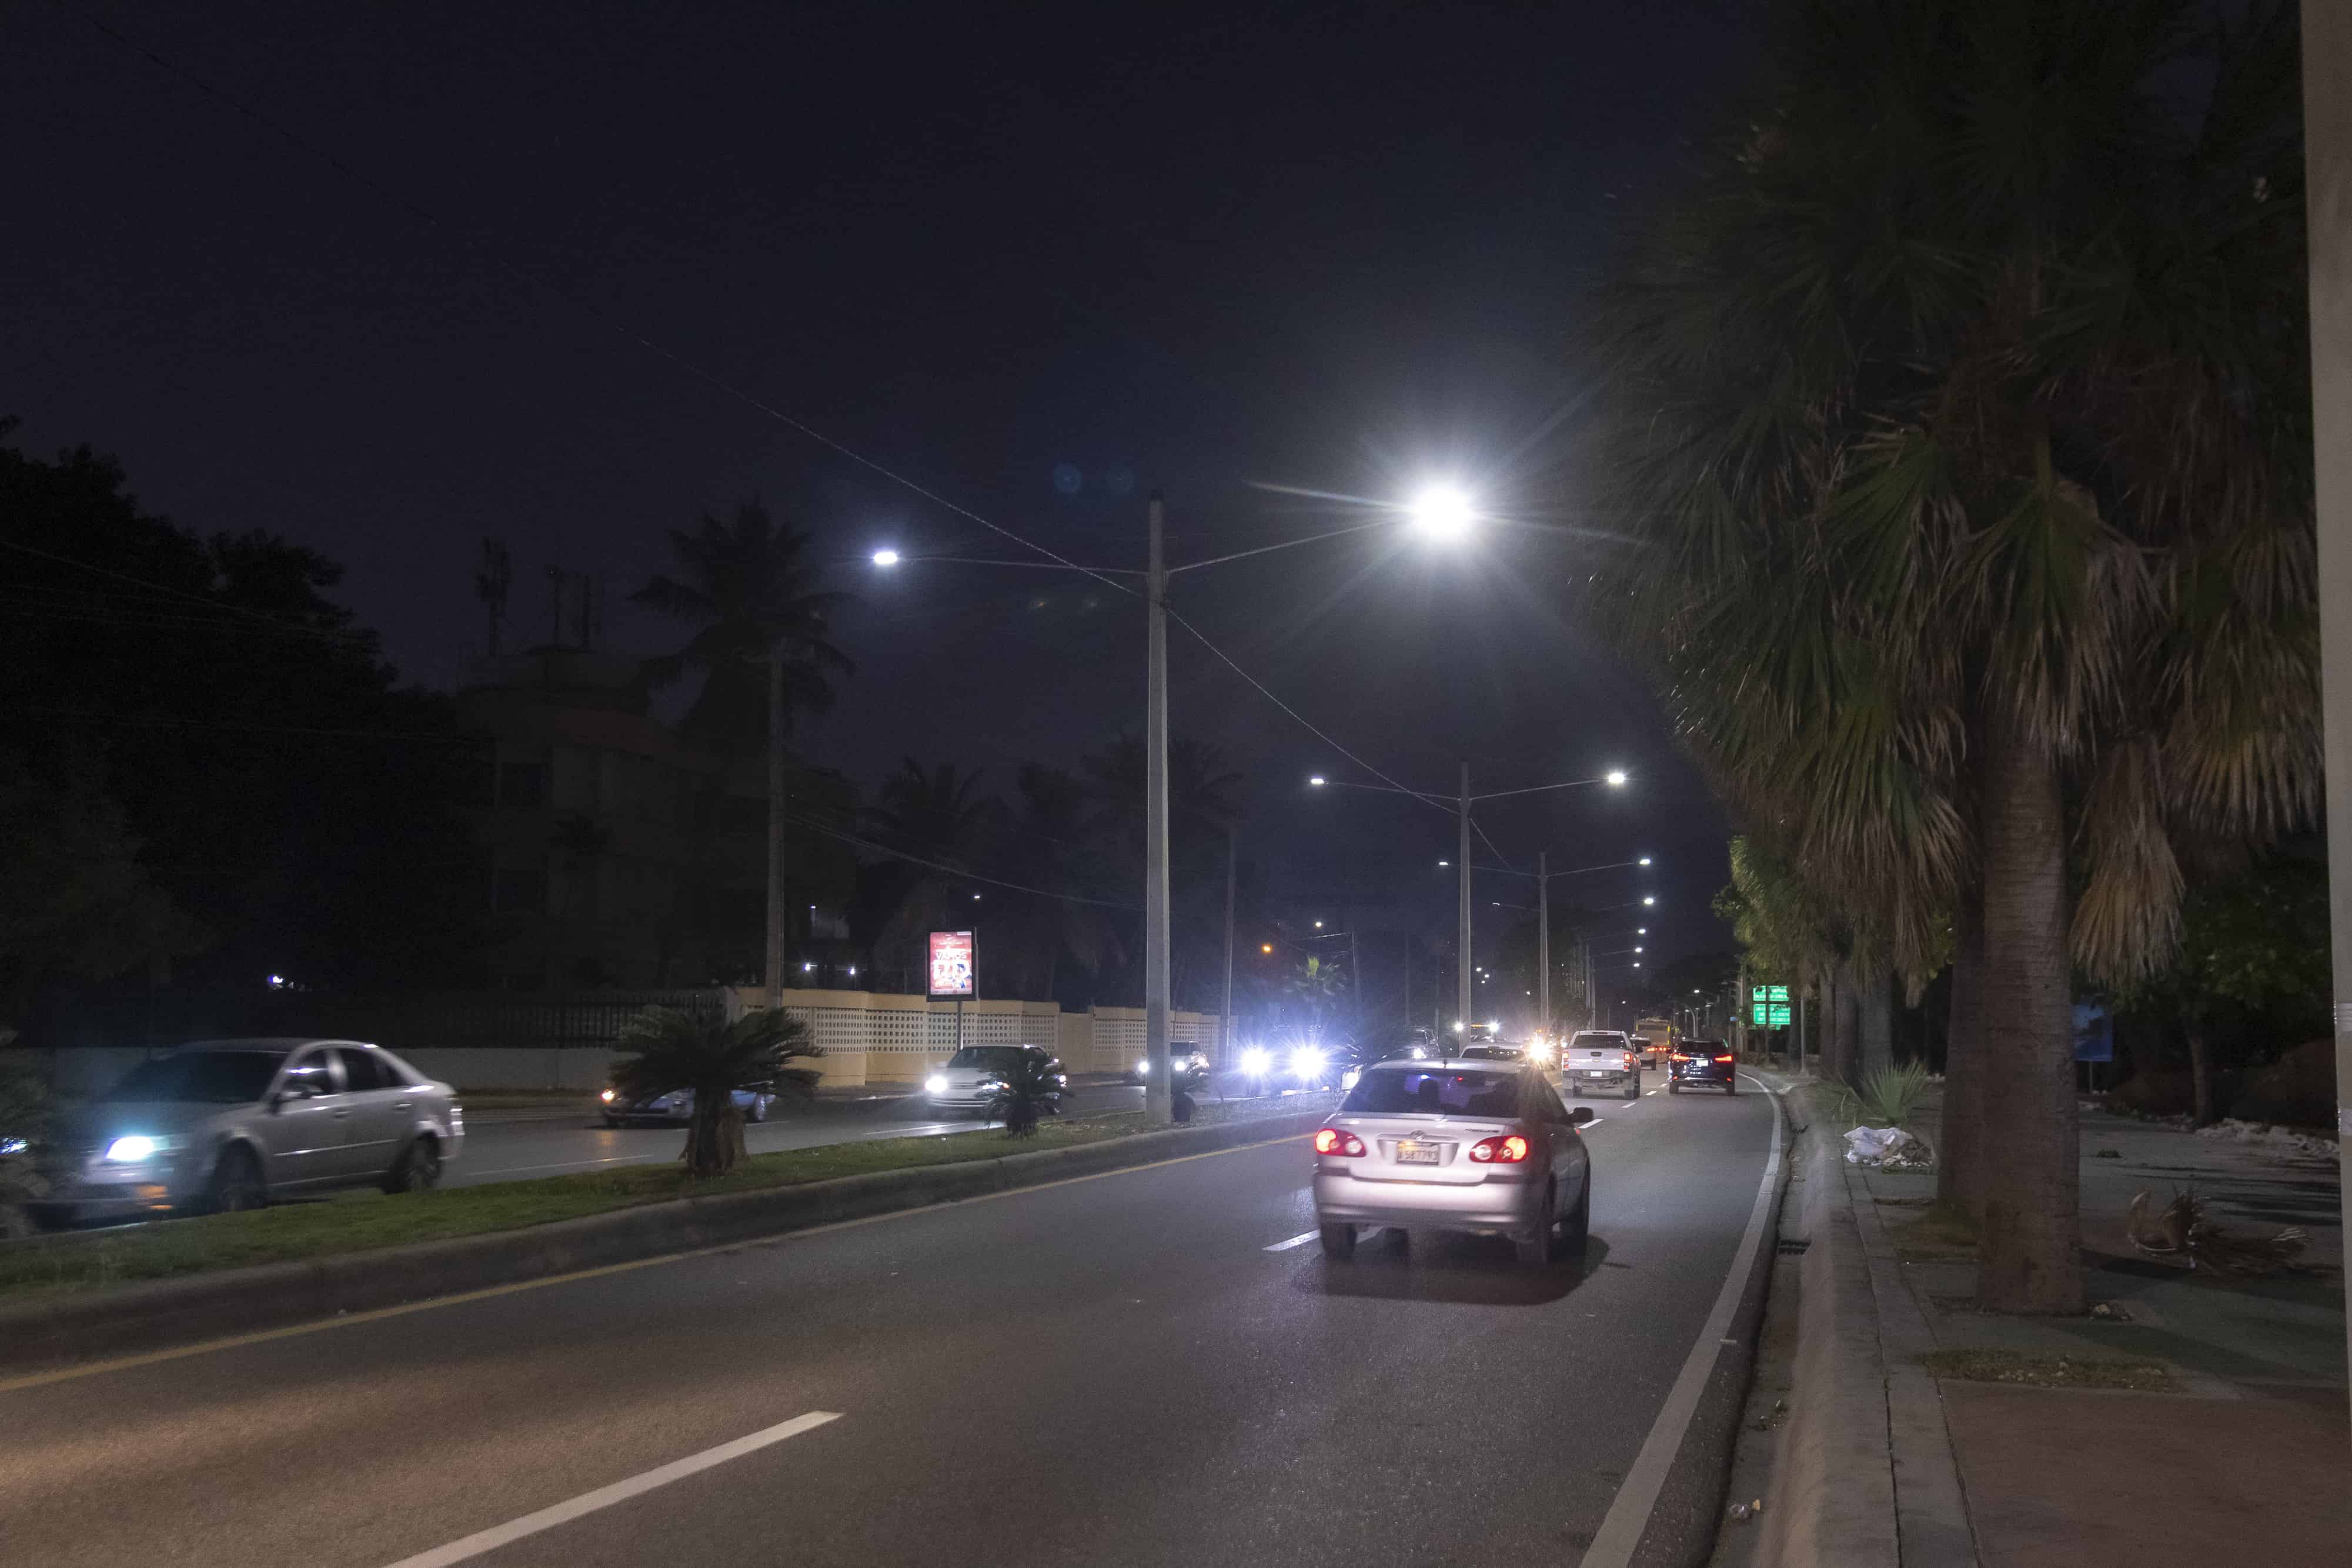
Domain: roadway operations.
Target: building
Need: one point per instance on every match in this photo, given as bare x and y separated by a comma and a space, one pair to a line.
616, 854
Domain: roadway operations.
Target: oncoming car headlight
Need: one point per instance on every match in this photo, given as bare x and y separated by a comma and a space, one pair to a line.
1143, 1068
1306, 1062
1256, 1061
937, 1083
136, 1146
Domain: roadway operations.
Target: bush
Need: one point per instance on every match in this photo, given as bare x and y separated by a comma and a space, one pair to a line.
1892, 1097
2298, 1089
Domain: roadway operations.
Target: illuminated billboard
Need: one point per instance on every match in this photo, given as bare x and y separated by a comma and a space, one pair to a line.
955, 965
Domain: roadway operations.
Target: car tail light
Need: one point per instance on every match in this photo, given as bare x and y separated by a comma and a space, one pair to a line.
1503, 1151
1630, 1059
1684, 1056
1722, 1059
1337, 1141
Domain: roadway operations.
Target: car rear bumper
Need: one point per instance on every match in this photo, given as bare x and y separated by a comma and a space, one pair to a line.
1589, 1078
1709, 1078
1492, 1205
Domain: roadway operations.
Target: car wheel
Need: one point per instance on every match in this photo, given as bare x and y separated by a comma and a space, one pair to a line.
418, 1166
1633, 1089
612, 1121
1339, 1242
1577, 1229
237, 1184
1673, 1088
1574, 1093
1537, 1249
758, 1111
1731, 1086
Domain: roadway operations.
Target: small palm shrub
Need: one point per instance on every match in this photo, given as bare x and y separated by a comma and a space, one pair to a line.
712, 1058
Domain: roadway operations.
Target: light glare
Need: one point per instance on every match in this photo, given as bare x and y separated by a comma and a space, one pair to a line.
886, 557
1443, 512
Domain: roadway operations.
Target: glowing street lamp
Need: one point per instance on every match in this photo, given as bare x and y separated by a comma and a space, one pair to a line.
886, 557
1443, 512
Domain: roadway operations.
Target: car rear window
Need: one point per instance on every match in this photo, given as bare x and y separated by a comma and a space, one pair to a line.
1599, 1042
1434, 1092
207, 1077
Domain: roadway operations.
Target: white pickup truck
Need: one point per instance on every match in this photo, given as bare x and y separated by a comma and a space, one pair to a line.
1598, 1059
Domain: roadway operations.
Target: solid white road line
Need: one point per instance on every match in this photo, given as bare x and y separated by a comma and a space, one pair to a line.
1301, 1239
490, 1540
1629, 1515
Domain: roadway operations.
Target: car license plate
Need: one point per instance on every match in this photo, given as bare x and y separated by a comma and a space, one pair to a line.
1409, 1153
1597, 1072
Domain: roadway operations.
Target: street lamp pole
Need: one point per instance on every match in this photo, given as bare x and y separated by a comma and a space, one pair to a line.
1461, 933
1158, 1103
1543, 945
1225, 1053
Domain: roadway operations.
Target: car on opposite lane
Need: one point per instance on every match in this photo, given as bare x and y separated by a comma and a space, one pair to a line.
235, 1124
972, 1077
1482, 1147
677, 1105
1702, 1063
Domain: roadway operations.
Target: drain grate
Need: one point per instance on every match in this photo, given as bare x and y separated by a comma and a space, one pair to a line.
1794, 1245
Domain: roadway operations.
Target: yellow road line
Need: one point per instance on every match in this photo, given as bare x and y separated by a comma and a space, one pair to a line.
348, 1320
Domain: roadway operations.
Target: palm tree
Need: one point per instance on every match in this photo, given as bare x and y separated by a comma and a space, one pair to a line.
1026, 1091
1316, 984
944, 817
1955, 429
710, 1059
1201, 808
749, 589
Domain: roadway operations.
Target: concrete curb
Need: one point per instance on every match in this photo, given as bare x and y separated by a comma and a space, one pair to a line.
1832, 1500
162, 1313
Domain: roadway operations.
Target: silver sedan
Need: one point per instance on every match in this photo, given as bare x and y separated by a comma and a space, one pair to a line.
232, 1123
1484, 1147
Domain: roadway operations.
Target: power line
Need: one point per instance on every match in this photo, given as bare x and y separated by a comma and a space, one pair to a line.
417, 211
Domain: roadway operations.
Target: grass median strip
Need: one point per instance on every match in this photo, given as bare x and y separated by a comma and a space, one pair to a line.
2051, 1370
301, 1231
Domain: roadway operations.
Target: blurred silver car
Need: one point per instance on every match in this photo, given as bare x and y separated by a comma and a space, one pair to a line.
232, 1123
1486, 1147
969, 1079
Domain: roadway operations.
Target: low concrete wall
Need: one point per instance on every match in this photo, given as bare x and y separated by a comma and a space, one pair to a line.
59, 1330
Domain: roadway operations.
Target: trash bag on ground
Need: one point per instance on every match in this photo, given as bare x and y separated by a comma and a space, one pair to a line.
1882, 1146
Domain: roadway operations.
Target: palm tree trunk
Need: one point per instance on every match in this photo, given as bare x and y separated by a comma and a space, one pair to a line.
2201, 1075
1959, 1174
2029, 1250
1875, 1001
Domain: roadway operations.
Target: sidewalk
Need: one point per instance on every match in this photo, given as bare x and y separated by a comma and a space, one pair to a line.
2232, 1447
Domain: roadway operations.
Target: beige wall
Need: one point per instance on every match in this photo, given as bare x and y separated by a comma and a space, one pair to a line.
874, 1038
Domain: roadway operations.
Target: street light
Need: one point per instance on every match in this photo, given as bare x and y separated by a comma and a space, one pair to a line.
1617, 781
1158, 1102
1443, 512
1317, 781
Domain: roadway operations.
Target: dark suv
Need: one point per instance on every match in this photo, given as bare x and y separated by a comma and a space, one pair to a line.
1702, 1063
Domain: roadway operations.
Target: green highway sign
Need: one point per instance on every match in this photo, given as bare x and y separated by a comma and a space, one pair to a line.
1769, 1015
1768, 993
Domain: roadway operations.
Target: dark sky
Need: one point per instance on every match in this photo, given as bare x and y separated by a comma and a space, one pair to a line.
1037, 260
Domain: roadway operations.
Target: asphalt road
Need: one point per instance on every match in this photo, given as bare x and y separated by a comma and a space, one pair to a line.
1126, 1368
502, 1147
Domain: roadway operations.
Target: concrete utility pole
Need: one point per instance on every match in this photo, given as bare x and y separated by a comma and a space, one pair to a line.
1225, 1057
1462, 935
2327, 211
1543, 945
1158, 1103
775, 954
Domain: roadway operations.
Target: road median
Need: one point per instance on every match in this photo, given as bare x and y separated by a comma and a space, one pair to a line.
77, 1313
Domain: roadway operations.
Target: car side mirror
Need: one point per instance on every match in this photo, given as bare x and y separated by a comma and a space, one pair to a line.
1580, 1116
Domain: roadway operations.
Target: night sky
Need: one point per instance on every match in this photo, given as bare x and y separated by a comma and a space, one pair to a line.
1037, 261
